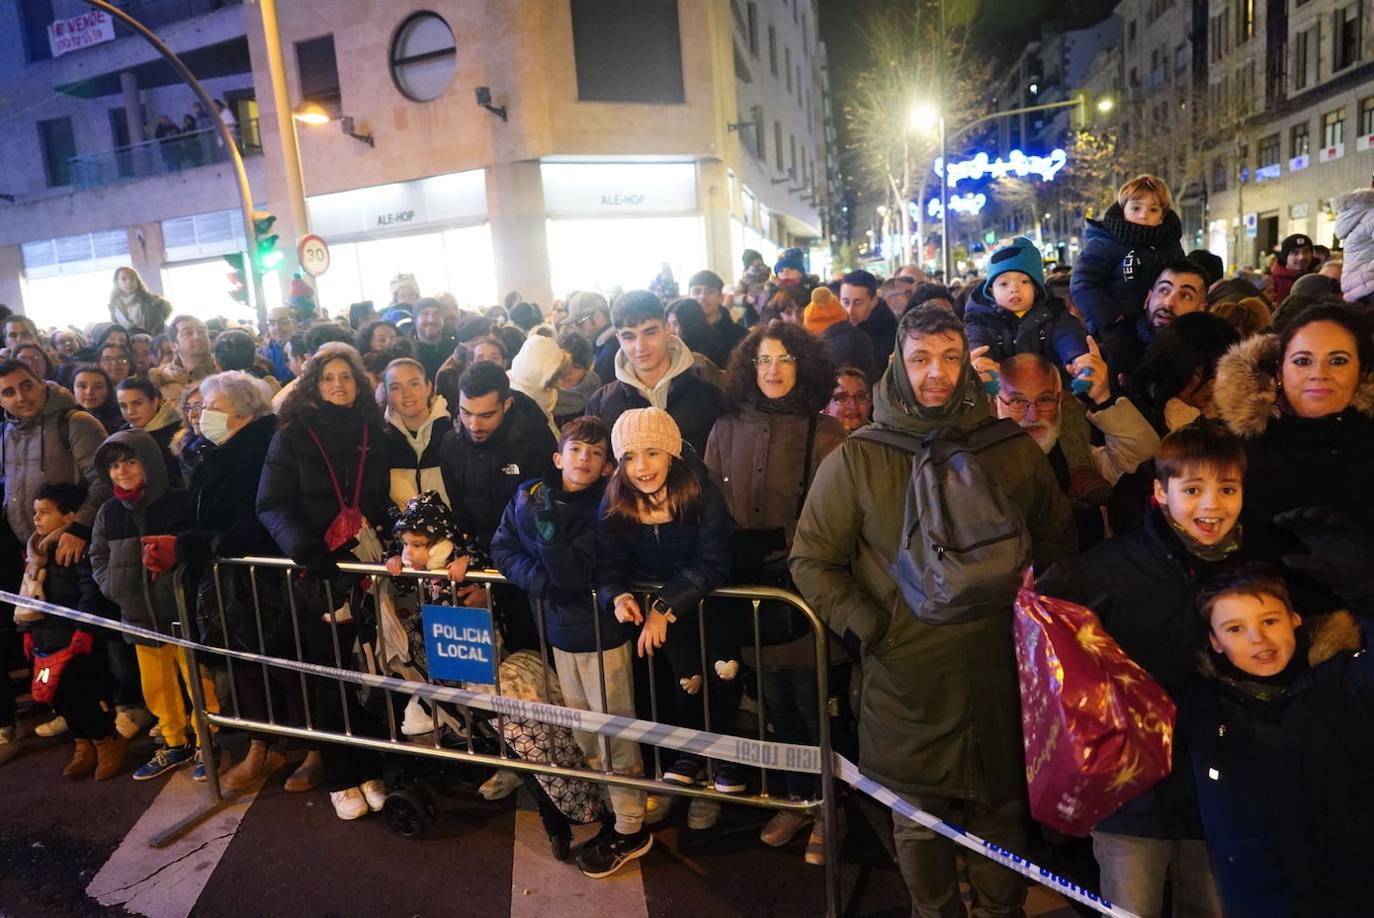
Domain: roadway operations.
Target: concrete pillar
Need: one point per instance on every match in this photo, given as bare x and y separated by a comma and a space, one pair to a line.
133, 116
11, 277
713, 197
515, 207
147, 252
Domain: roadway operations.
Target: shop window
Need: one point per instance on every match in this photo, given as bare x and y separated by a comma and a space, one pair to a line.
318, 70
1367, 116
627, 51
1333, 128
1301, 140
1345, 49
59, 146
423, 57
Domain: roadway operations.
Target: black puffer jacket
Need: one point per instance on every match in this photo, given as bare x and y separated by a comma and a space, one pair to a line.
295, 499
1143, 586
1119, 264
694, 403
117, 537
481, 478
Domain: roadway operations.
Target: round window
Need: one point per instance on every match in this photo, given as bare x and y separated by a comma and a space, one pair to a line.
423, 57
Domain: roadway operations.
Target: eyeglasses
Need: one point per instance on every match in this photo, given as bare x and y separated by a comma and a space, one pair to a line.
1043, 404
583, 320
765, 361
858, 398
194, 409
117, 361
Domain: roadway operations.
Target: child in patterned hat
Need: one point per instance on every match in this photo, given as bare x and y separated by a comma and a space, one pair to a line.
425, 532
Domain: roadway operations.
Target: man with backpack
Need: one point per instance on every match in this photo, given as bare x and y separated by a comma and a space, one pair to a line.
913, 540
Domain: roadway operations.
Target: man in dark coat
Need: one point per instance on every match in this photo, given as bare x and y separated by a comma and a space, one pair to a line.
707, 288
859, 297
433, 344
590, 316
656, 369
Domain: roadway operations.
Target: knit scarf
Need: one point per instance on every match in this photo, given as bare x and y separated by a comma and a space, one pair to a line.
1264, 688
793, 404
129, 497
1213, 553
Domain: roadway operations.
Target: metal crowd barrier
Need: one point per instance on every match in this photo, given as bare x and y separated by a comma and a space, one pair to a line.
277, 574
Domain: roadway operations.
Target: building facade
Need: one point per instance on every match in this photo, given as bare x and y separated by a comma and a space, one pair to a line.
529, 146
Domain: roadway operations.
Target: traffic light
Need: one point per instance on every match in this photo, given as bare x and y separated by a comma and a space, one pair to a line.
238, 278
265, 254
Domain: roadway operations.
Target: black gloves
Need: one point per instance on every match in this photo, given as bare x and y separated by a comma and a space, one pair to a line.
1340, 555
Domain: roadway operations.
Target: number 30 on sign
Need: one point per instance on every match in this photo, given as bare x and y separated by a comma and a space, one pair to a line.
314, 255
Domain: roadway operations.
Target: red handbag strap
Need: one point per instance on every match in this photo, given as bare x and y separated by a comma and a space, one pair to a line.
334, 479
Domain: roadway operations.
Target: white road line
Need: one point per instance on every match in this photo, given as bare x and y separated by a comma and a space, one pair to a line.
166, 882
541, 886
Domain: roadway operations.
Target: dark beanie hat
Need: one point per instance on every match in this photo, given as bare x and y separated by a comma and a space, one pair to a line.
1213, 267
1295, 241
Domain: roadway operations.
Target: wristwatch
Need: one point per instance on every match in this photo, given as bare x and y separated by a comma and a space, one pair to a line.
662, 608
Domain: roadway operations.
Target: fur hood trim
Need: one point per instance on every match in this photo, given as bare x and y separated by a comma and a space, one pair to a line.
1246, 393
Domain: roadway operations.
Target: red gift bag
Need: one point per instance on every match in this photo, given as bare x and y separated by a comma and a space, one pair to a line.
1098, 730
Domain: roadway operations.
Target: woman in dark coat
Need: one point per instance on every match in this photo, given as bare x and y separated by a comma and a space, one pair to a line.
1303, 402
330, 424
222, 491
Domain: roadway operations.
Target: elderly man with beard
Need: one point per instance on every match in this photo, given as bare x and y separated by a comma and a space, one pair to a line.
1031, 393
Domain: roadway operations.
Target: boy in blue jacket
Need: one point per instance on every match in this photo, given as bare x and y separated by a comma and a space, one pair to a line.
1122, 255
546, 545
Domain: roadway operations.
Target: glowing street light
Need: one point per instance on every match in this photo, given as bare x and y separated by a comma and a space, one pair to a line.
924, 117
311, 113
1105, 104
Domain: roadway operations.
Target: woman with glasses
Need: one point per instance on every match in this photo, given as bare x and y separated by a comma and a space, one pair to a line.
851, 401
114, 360
763, 456
189, 444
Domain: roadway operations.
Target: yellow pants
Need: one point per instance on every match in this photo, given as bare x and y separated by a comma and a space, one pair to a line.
162, 672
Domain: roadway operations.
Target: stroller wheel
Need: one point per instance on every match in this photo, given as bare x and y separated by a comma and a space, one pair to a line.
407, 814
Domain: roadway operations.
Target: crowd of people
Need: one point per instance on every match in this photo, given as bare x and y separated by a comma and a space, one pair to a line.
1176, 449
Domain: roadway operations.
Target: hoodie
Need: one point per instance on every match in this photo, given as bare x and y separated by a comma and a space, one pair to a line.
121, 524
414, 454
58, 445
694, 403
534, 371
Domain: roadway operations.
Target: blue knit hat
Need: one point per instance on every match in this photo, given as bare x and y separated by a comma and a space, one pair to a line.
789, 259
1018, 255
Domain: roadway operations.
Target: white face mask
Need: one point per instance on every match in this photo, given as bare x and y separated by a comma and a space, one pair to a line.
214, 425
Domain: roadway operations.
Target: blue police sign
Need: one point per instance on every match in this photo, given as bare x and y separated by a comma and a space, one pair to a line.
459, 644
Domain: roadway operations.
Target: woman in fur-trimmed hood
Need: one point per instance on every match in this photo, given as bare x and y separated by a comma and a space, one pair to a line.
1303, 402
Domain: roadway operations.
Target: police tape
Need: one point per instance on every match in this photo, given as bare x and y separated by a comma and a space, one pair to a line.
738, 749
848, 772
741, 750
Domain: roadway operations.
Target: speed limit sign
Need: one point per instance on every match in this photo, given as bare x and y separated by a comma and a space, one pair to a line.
314, 255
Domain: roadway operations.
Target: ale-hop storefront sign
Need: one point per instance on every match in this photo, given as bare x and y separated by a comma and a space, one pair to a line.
93, 28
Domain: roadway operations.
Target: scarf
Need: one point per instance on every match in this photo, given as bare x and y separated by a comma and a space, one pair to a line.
793, 404
1282, 684
1167, 233
129, 497
895, 406
1211, 553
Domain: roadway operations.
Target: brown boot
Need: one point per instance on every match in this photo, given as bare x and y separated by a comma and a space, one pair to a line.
83, 760
110, 756
256, 765
308, 775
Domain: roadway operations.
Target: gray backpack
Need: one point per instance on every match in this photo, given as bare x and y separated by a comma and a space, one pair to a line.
965, 545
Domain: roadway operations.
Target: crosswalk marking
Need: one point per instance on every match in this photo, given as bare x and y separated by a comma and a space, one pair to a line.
166, 882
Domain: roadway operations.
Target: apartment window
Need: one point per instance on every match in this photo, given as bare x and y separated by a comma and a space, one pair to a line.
752, 16
773, 50
37, 15
799, 87
1135, 78
787, 66
806, 38
1130, 34
1269, 151
777, 142
1245, 21
627, 51
792, 155
760, 138
1301, 140
59, 146
1367, 116
1180, 58
1345, 50
319, 73
1218, 174
1305, 59
1333, 128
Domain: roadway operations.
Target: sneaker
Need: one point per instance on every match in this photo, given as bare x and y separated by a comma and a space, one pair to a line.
198, 771
612, 852
780, 830
500, 785
729, 779
374, 792
656, 808
349, 804
163, 761
702, 813
815, 845
687, 771
55, 727
129, 719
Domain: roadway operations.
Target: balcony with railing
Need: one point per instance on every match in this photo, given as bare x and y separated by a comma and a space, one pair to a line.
166, 155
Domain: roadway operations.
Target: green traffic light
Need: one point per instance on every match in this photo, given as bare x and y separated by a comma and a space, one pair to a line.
269, 260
